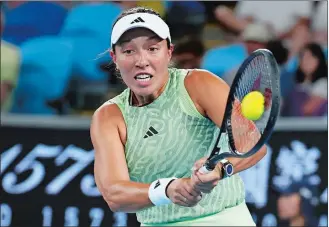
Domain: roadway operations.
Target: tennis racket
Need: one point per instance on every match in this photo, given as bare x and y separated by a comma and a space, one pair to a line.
238, 136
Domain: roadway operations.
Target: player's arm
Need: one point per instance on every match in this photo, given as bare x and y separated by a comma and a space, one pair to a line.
209, 93
108, 134
111, 171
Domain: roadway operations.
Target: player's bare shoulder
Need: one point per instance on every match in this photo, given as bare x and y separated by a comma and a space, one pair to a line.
203, 78
108, 111
202, 83
106, 118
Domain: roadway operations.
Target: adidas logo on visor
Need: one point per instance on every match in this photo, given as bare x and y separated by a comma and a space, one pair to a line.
137, 20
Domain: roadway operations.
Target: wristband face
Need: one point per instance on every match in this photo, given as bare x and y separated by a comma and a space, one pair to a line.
157, 191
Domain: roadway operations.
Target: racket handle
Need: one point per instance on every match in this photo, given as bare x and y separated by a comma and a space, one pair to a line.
204, 170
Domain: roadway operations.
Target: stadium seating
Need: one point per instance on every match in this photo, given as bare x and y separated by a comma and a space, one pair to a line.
44, 74
33, 19
222, 59
89, 26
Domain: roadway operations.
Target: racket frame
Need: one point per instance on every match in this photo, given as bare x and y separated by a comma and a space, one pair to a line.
226, 127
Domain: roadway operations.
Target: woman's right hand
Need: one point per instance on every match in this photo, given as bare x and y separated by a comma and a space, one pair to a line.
181, 192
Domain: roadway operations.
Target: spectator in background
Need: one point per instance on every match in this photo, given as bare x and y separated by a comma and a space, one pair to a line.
255, 36
279, 51
309, 97
319, 24
127, 4
282, 16
10, 62
185, 18
296, 205
281, 54
159, 6
188, 53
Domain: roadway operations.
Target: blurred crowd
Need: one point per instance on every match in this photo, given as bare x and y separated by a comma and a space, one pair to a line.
296, 204
54, 55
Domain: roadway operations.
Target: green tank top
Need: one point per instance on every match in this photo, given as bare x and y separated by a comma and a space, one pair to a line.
164, 139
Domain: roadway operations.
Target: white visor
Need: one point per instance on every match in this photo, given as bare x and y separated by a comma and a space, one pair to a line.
140, 20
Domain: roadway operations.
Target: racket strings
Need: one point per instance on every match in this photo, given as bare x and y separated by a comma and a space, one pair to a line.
245, 132
256, 77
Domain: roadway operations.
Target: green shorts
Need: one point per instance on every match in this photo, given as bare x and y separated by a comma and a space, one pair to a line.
234, 216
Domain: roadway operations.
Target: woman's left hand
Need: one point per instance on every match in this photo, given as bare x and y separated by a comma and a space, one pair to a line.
205, 182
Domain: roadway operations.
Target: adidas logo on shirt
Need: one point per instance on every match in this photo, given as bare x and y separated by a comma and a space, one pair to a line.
150, 132
137, 20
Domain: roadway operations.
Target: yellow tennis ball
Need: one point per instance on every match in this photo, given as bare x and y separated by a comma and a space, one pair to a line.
252, 105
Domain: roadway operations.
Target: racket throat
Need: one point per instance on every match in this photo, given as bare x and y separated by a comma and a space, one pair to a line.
211, 164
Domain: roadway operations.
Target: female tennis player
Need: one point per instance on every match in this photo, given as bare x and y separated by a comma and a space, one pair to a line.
148, 138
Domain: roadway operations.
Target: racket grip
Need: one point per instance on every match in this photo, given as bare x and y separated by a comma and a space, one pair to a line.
204, 170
